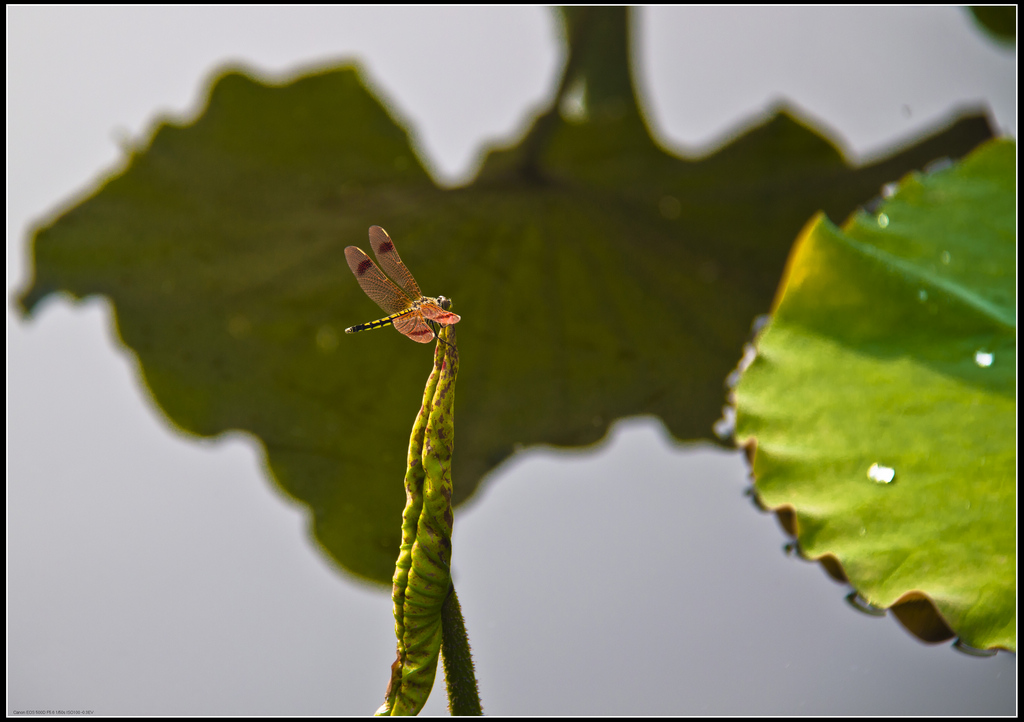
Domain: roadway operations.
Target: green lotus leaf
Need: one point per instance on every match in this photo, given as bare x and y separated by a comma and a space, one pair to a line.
882, 400
597, 274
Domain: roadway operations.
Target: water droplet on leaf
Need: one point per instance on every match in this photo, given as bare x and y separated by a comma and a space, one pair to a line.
326, 339
961, 646
670, 207
863, 606
881, 474
725, 427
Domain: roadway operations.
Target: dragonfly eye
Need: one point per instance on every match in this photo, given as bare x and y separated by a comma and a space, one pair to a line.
444, 302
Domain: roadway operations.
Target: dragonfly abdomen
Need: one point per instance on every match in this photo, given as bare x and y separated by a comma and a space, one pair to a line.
380, 323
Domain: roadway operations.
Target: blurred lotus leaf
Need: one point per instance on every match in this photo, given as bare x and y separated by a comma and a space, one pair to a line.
597, 274
999, 21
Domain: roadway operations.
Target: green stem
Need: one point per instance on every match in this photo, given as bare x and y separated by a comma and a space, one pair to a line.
459, 674
422, 580
598, 56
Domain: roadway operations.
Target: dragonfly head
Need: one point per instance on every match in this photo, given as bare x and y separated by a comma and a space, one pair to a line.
444, 302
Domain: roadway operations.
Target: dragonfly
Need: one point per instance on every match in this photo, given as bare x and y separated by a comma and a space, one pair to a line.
411, 313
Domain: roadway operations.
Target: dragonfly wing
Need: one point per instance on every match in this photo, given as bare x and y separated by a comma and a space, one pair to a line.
376, 285
439, 315
413, 326
388, 258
